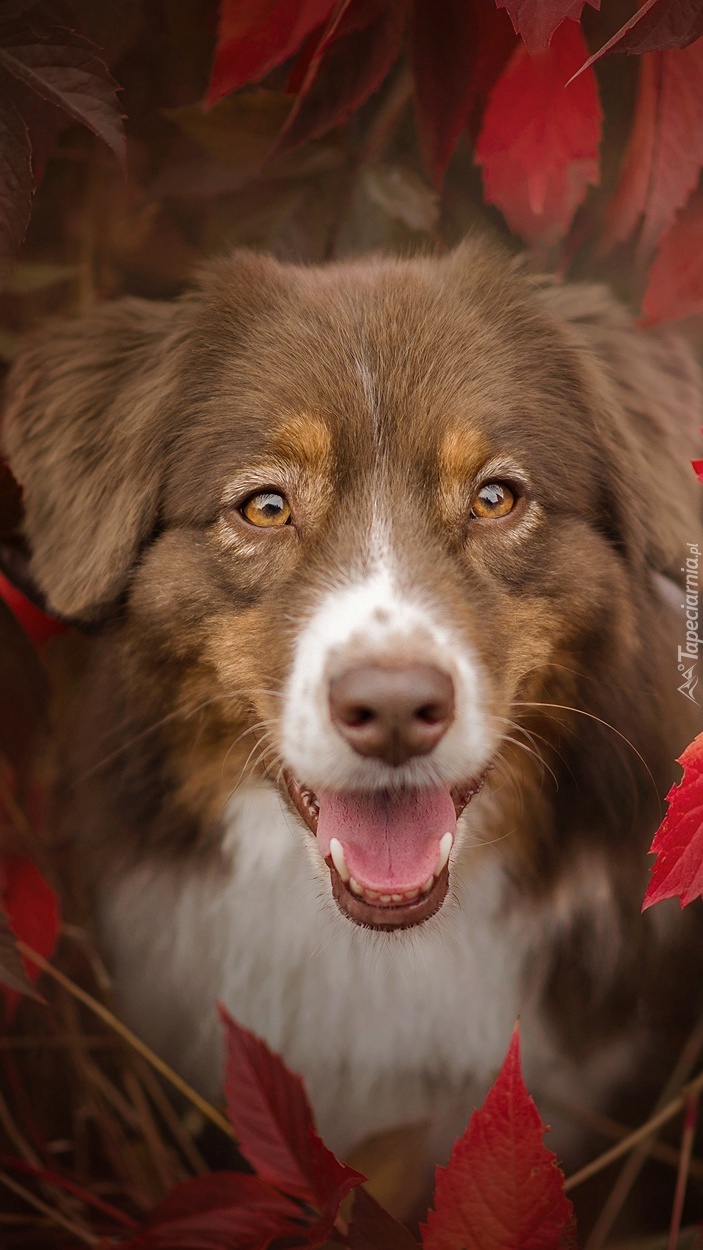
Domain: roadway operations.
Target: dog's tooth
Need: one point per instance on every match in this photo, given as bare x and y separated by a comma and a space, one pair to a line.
398, 898
445, 847
427, 885
385, 898
372, 895
411, 895
337, 853
354, 886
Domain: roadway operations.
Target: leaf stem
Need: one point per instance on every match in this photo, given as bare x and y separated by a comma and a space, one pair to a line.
689, 1130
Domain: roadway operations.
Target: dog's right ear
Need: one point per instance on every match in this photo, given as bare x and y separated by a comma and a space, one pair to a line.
83, 433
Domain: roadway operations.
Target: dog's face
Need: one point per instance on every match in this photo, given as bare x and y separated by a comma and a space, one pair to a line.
365, 519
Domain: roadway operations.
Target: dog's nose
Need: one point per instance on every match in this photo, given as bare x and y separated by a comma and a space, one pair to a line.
392, 714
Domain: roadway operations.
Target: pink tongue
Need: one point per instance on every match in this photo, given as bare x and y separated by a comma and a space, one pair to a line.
390, 841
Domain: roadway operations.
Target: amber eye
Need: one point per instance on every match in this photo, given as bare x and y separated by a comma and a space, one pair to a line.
494, 499
267, 509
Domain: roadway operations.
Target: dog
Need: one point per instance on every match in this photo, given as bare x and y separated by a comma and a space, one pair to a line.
382, 560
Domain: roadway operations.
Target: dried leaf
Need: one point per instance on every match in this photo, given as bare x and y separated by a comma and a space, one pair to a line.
502, 1188
402, 194
239, 131
678, 842
539, 140
664, 155
372, 1228
65, 69
255, 37
537, 20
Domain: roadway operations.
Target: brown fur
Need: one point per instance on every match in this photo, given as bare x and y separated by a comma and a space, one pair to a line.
127, 430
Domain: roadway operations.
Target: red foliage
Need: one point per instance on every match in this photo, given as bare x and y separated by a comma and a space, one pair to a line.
675, 287
502, 1188
32, 911
36, 624
253, 38
537, 20
539, 142
224, 1211
665, 152
678, 842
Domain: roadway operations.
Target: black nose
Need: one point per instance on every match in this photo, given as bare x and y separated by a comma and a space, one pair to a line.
392, 714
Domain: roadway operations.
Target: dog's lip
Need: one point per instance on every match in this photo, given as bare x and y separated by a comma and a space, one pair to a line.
374, 914
305, 801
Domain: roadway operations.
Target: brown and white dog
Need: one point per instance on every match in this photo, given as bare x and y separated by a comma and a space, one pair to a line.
385, 702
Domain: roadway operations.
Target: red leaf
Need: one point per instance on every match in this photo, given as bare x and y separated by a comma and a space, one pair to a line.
254, 37
538, 144
657, 24
458, 51
64, 69
372, 1228
678, 842
16, 181
223, 1211
502, 1188
36, 624
348, 65
664, 155
274, 1124
675, 286
537, 20
32, 911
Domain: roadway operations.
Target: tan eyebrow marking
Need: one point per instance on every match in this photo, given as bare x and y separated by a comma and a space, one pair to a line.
305, 439
461, 454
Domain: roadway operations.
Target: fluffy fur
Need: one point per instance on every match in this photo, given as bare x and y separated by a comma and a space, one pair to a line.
376, 395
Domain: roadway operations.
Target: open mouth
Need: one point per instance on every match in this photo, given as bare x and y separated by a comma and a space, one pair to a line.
387, 851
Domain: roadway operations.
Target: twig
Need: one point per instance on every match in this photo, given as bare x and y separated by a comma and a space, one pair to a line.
613, 1129
171, 1119
633, 1166
689, 1129
645, 1130
210, 1112
162, 1158
53, 1215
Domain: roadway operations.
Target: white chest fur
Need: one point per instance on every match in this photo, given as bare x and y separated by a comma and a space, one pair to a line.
386, 1028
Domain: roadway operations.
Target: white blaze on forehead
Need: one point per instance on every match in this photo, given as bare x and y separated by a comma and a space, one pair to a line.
373, 620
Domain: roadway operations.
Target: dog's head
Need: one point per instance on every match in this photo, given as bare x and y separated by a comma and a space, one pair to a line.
368, 517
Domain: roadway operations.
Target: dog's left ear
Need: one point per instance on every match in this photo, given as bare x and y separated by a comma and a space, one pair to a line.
83, 434
646, 395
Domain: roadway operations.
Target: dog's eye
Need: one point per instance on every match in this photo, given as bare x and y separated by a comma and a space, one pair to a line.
266, 509
494, 499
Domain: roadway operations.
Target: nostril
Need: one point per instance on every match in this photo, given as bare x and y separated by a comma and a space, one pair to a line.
392, 713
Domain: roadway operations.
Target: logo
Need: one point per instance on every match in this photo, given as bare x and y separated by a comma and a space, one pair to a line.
688, 654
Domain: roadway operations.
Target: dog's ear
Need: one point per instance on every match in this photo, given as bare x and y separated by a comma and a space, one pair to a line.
647, 400
82, 431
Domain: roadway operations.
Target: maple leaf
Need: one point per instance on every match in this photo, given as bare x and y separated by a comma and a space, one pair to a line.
537, 20
502, 1187
219, 1212
274, 1124
255, 37
538, 144
32, 913
372, 1228
664, 155
678, 842
458, 51
351, 60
